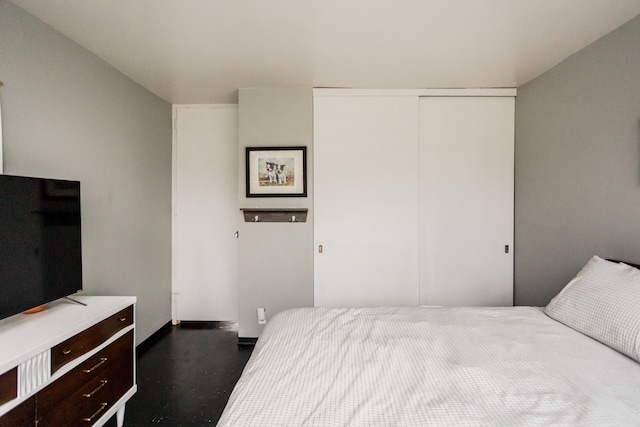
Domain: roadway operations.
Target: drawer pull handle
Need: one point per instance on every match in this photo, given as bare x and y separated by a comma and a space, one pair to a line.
122, 319
66, 351
95, 390
96, 366
95, 414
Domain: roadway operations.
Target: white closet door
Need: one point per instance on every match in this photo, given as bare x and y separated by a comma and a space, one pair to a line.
366, 186
466, 202
205, 213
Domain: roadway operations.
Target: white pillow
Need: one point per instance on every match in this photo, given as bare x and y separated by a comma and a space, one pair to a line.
603, 302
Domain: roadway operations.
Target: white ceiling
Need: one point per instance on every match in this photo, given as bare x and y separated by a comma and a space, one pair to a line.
202, 51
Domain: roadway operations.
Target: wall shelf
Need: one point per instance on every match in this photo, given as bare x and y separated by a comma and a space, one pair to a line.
275, 214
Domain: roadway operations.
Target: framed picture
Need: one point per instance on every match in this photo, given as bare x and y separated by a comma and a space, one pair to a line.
276, 171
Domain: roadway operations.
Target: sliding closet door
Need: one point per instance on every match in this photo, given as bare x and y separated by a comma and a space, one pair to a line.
366, 183
466, 201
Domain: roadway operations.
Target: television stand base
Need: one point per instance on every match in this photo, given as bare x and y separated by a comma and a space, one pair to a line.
74, 301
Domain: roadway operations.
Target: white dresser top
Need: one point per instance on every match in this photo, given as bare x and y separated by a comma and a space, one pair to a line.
25, 335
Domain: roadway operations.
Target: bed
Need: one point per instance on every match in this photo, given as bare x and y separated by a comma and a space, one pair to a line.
574, 362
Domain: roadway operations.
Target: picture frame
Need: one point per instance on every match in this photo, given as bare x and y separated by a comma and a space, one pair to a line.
276, 171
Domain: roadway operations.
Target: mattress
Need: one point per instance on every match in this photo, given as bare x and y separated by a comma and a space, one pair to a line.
419, 366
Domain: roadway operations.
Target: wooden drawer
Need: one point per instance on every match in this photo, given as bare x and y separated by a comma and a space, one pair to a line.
8, 386
89, 339
86, 405
22, 415
81, 395
104, 365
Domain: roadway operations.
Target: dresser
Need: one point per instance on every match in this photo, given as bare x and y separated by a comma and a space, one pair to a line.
70, 364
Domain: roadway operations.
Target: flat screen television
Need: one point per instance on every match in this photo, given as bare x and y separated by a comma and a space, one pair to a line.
40, 242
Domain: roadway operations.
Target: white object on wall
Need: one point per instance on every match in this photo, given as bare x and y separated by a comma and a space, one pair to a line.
262, 316
205, 213
1, 147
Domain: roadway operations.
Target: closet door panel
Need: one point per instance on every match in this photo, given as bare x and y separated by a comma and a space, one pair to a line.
466, 201
366, 206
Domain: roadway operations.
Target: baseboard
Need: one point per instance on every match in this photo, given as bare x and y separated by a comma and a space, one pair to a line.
153, 338
165, 329
212, 324
247, 341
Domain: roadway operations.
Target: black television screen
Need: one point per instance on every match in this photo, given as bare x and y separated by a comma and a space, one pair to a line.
40, 242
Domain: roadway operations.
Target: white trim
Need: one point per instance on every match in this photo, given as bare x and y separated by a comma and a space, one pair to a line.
1, 148
176, 106
416, 92
174, 213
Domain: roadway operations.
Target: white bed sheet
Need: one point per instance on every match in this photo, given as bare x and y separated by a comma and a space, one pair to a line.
426, 366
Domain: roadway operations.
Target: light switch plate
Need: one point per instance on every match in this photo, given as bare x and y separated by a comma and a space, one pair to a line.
262, 317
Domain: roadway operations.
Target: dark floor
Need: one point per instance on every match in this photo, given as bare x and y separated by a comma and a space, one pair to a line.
186, 376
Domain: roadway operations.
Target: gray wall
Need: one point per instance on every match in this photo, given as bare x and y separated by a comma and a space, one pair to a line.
578, 165
67, 114
276, 259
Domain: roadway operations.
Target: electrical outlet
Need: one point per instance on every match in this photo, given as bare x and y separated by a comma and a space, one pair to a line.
262, 317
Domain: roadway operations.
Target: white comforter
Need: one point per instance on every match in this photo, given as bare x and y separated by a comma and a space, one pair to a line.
429, 367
